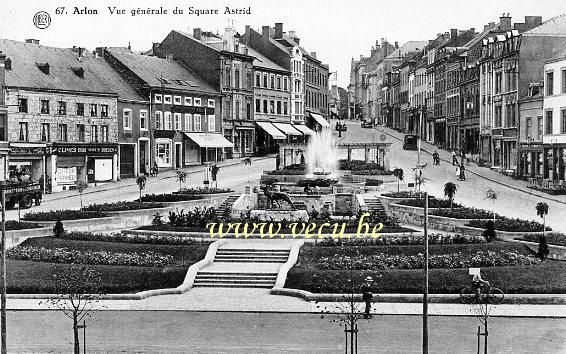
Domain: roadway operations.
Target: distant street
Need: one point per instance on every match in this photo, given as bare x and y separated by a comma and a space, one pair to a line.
510, 202
198, 332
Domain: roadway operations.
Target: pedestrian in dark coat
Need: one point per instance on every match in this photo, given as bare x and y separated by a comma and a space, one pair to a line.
367, 296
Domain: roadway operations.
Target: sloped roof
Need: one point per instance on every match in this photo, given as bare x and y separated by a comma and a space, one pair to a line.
25, 72
262, 61
555, 26
158, 72
409, 47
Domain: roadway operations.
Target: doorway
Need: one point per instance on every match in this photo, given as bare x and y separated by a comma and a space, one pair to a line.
178, 155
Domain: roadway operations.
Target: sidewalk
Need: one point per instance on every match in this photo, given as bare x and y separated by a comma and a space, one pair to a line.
202, 299
128, 182
484, 172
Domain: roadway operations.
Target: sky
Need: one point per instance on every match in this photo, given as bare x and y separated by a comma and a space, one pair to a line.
337, 30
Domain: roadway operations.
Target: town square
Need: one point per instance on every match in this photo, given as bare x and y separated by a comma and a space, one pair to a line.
290, 177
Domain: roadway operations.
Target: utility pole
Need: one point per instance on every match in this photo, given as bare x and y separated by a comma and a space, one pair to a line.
425, 294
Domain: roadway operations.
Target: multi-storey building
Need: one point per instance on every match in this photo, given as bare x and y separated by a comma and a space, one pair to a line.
183, 118
4, 145
61, 118
468, 124
530, 136
223, 63
417, 97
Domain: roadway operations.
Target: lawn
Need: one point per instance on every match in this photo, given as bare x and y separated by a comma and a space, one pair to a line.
547, 277
36, 277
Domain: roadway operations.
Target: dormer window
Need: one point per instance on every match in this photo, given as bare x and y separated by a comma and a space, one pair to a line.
44, 67
80, 72
8, 64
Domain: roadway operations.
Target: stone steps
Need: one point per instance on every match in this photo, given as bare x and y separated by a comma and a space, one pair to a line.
226, 205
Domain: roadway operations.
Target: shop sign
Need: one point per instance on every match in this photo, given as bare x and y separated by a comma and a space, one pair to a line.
66, 175
84, 150
27, 150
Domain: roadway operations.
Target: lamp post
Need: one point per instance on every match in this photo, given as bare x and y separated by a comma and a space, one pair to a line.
425, 294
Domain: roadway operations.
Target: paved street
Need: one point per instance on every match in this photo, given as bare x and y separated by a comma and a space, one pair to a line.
510, 202
198, 332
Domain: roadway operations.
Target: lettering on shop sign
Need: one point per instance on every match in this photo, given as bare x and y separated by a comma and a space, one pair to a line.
84, 150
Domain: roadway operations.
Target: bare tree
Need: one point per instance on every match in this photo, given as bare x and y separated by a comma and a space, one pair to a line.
81, 186
141, 181
76, 295
491, 195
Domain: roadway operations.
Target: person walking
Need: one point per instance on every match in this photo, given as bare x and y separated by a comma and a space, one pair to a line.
454, 158
367, 296
435, 158
462, 172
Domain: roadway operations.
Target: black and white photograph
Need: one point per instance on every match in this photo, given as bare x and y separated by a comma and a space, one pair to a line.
292, 176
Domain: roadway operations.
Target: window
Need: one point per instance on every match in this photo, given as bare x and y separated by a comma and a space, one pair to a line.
285, 84
62, 108
23, 131
158, 120
528, 123
237, 110
563, 83
248, 111
157, 98
197, 102
62, 132
45, 132
81, 132
177, 100
265, 80
278, 107
104, 110
548, 123
210, 103
163, 153
285, 108
177, 121
167, 121
563, 121
498, 113
498, 82
272, 82
104, 133
127, 119
44, 107
80, 109
188, 122
539, 128
93, 110
249, 79
94, 133
278, 82
167, 99
549, 83
211, 123
143, 120
272, 106
237, 78
197, 122
257, 79
257, 105
265, 106
188, 101
228, 78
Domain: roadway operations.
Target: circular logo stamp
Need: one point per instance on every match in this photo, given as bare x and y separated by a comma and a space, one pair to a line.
41, 20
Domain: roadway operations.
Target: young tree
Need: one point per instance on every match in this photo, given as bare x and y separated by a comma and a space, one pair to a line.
450, 192
141, 181
76, 288
542, 211
81, 186
492, 195
181, 176
398, 173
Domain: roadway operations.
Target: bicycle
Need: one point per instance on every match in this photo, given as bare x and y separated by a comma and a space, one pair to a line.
491, 295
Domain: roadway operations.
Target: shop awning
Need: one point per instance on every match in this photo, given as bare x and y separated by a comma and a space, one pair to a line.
319, 119
271, 130
209, 140
304, 129
287, 129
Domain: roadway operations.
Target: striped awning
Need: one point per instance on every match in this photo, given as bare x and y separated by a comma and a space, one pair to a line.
304, 129
271, 130
287, 129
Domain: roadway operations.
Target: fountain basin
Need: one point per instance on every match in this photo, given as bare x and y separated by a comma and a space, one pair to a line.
279, 215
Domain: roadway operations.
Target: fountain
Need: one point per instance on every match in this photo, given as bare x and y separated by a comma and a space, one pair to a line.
321, 155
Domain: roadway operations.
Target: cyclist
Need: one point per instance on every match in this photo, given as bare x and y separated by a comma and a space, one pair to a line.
477, 282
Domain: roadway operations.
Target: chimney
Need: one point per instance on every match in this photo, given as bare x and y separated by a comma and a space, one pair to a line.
197, 34
505, 22
265, 32
32, 41
521, 27
129, 46
453, 33
532, 22
278, 30
99, 52
473, 29
396, 45
80, 52
154, 47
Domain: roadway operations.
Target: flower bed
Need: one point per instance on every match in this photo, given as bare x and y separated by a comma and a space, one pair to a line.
129, 238
170, 198
510, 225
319, 182
463, 213
432, 203
373, 182
65, 214
65, 255
448, 260
433, 239
18, 225
403, 194
360, 167
205, 191
123, 206
558, 239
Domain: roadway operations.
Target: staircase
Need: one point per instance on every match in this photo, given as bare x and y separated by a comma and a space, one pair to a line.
226, 205
243, 267
374, 205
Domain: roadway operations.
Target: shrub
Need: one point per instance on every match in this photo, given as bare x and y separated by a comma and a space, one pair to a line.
123, 206
433, 239
58, 229
65, 214
319, 182
129, 238
489, 232
65, 255
373, 182
404, 194
462, 213
197, 217
286, 171
432, 203
18, 225
543, 250
511, 225
200, 191
157, 221
170, 198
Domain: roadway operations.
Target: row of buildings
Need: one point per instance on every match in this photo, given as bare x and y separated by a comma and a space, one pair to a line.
69, 114
491, 93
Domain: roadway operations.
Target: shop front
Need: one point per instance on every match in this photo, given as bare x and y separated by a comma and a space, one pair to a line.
91, 163
29, 159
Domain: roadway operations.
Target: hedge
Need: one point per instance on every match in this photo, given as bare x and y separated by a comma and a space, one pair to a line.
510, 225
432, 203
129, 238
65, 214
169, 198
205, 191
123, 206
463, 213
18, 225
433, 239
551, 239
403, 194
